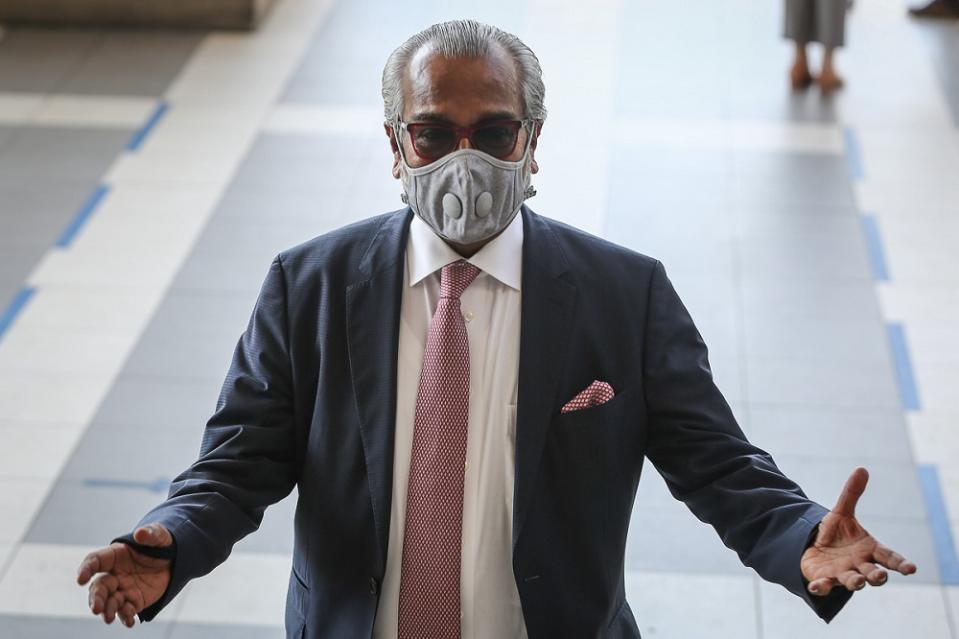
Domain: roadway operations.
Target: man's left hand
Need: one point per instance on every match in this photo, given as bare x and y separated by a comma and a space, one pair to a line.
844, 553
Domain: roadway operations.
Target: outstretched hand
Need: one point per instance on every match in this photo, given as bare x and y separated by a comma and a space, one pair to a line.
844, 553
126, 581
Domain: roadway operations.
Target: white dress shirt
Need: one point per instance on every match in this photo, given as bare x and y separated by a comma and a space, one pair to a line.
490, 605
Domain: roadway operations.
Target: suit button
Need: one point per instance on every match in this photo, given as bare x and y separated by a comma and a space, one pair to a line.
374, 586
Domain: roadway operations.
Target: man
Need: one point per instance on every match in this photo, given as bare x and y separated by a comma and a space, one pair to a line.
463, 393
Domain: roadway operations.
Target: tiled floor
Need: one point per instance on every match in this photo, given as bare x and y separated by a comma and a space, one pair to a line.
147, 178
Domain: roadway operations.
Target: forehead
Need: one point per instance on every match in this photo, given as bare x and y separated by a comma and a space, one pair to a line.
461, 90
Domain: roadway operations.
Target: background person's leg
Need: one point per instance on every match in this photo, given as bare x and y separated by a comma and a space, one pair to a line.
799, 29
830, 23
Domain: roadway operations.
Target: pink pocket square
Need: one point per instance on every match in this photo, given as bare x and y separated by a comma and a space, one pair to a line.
595, 394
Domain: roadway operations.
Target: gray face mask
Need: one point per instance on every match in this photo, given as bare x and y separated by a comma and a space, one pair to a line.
467, 196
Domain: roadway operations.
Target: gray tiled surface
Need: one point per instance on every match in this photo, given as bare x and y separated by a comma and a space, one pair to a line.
40, 60
344, 62
724, 77
46, 175
940, 36
47, 153
92, 61
23, 627
764, 247
48, 628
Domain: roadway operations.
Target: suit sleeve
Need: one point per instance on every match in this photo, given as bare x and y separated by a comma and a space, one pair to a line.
697, 446
247, 456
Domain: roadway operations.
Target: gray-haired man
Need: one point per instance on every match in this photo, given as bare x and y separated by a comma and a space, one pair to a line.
464, 393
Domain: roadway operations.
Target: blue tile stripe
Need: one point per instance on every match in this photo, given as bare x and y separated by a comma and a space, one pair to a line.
877, 257
136, 141
159, 485
853, 153
942, 540
908, 392
82, 215
14, 307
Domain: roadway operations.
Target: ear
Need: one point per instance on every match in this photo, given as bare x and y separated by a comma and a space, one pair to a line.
394, 146
537, 128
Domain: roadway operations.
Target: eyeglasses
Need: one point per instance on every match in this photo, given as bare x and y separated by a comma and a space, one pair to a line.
433, 140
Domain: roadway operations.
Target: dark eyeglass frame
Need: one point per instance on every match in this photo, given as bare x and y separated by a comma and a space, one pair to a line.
461, 133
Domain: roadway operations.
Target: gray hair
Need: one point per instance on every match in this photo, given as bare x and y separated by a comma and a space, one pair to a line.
464, 39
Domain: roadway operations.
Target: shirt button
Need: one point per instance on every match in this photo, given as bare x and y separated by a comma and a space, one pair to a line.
373, 585
469, 316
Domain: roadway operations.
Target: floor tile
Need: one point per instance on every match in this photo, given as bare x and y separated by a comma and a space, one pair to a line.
58, 152
16, 108
822, 383
821, 259
204, 631
937, 385
26, 348
673, 540
20, 499
249, 588
171, 450
35, 450
855, 342
148, 403
933, 438
723, 606
77, 513
952, 598
44, 627
112, 112
828, 433
183, 355
40, 60
26, 395
892, 611
893, 489
133, 62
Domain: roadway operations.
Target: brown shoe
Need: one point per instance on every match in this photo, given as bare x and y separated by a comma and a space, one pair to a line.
937, 9
799, 77
829, 82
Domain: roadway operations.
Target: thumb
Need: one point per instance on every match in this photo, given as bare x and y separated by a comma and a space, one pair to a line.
155, 535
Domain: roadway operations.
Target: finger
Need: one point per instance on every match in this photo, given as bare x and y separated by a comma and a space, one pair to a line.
852, 580
101, 560
875, 576
100, 590
822, 586
113, 604
128, 614
153, 535
851, 492
889, 558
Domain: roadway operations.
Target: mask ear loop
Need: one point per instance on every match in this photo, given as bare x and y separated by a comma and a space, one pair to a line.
530, 190
399, 147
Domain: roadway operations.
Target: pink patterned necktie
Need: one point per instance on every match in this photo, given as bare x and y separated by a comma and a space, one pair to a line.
429, 605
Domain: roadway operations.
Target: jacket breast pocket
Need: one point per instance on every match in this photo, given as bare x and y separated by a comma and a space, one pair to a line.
588, 438
584, 417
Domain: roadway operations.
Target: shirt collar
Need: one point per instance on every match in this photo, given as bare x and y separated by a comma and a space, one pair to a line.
502, 258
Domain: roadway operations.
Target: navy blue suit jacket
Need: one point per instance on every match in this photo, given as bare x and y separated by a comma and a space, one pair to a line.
310, 401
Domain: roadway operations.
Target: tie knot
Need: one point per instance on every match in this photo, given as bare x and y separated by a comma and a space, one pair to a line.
456, 277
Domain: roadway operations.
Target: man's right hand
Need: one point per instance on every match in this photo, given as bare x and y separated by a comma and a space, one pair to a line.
126, 581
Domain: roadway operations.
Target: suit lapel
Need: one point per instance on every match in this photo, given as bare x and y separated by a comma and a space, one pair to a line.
548, 300
373, 318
